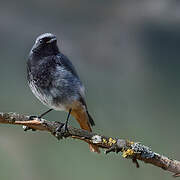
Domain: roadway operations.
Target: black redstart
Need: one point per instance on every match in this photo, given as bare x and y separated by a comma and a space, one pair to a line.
54, 81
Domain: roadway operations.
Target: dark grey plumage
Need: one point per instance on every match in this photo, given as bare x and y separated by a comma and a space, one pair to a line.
52, 77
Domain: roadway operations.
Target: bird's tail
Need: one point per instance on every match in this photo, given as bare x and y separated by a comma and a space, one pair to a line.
84, 119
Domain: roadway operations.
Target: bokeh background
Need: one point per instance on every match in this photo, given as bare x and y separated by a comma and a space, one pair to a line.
127, 54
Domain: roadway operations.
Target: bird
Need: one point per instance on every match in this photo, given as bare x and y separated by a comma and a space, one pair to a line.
54, 81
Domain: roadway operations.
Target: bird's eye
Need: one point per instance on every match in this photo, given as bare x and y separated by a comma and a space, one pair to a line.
40, 40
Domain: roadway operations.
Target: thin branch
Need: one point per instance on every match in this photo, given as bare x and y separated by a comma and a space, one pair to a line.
131, 150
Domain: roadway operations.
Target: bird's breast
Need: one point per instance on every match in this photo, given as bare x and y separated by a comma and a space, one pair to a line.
54, 85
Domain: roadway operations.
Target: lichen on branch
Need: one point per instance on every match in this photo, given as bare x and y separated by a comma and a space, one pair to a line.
129, 149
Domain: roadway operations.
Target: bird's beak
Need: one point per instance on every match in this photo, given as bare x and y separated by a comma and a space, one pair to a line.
51, 40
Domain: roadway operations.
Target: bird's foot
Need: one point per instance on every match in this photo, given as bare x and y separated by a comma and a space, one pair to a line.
34, 117
26, 128
63, 128
61, 131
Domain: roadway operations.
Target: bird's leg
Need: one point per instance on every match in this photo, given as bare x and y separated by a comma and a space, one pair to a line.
44, 113
67, 120
65, 124
33, 117
39, 117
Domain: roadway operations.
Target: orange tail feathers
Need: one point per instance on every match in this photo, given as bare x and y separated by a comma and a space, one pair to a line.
82, 117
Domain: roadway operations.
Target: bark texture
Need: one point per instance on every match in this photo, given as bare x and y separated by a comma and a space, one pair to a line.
129, 149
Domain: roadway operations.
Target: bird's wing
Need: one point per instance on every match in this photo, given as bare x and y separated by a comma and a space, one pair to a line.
63, 60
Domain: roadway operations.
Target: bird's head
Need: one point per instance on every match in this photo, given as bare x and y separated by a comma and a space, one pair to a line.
45, 45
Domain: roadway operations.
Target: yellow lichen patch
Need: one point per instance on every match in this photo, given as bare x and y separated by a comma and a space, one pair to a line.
111, 141
128, 152
104, 141
130, 142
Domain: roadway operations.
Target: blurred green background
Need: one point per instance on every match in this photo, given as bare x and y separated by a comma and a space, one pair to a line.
127, 55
